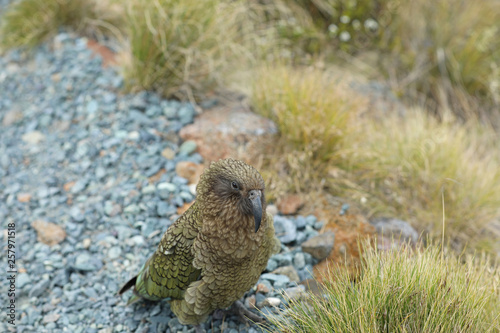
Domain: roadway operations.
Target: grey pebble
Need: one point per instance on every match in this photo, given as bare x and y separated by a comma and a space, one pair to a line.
39, 288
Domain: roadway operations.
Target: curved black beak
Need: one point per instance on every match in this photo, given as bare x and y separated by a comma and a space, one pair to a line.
255, 199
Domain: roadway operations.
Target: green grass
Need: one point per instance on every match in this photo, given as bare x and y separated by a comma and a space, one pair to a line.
402, 291
409, 167
181, 48
389, 165
27, 23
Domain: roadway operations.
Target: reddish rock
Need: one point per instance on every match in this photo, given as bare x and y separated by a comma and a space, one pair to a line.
23, 197
189, 170
229, 132
108, 56
290, 204
349, 229
67, 187
49, 233
262, 288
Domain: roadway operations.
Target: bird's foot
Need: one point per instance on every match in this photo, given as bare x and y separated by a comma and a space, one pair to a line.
244, 314
199, 329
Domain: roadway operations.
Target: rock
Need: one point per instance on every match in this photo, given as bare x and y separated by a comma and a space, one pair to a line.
262, 288
39, 288
395, 228
168, 153
76, 214
23, 197
270, 301
285, 229
34, 137
250, 302
299, 260
166, 187
288, 271
132, 209
114, 252
319, 246
188, 147
189, 170
49, 233
289, 204
296, 293
275, 278
11, 117
224, 132
22, 280
271, 265
51, 318
86, 262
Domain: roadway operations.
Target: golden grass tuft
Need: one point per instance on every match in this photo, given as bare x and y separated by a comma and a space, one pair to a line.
182, 49
401, 291
27, 23
404, 166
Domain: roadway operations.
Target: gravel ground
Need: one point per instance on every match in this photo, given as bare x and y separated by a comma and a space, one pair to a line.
76, 152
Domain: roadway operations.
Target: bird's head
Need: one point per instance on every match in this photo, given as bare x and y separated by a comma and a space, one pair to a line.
232, 189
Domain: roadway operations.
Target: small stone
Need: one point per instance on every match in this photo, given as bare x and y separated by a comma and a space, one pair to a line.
34, 137
12, 117
189, 170
79, 186
168, 153
187, 147
49, 233
23, 197
92, 106
149, 189
395, 228
51, 318
114, 252
275, 278
319, 246
132, 209
163, 209
86, 243
271, 265
22, 280
285, 229
262, 288
76, 214
39, 288
299, 261
290, 204
296, 293
166, 187
288, 271
134, 135
86, 262
250, 302
271, 301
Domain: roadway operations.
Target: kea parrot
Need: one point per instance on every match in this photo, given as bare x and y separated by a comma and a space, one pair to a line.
215, 252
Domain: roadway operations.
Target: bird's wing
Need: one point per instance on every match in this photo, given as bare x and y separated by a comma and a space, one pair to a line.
169, 271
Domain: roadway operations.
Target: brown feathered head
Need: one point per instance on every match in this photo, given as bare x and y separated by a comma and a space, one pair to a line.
231, 189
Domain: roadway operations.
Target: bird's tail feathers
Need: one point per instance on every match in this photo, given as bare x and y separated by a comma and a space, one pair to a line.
127, 285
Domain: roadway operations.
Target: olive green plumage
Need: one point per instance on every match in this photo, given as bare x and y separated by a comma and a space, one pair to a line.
216, 250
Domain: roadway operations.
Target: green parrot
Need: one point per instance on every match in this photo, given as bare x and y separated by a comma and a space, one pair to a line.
216, 251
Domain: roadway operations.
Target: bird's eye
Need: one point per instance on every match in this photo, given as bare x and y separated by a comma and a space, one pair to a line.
235, 186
